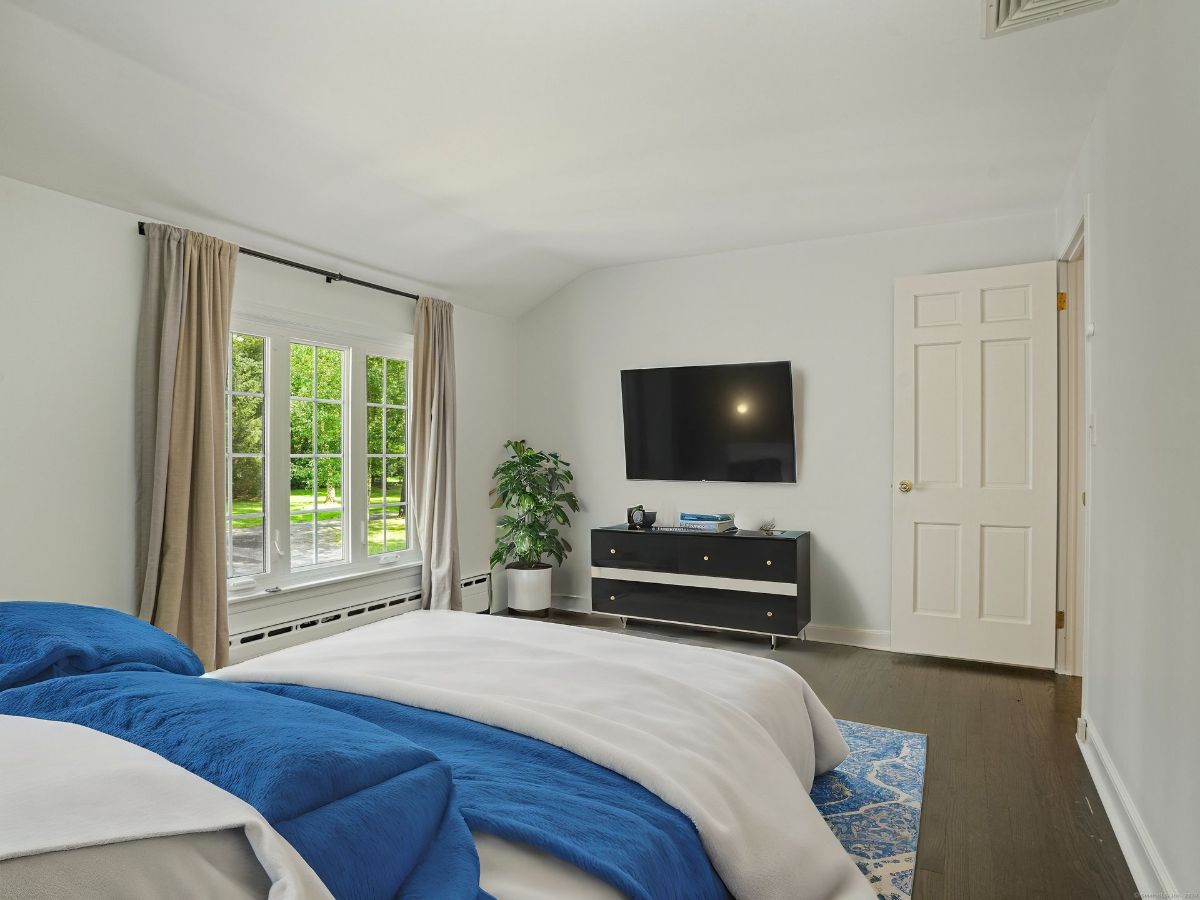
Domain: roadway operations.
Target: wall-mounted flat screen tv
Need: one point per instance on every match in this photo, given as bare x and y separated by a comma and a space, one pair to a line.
710, 423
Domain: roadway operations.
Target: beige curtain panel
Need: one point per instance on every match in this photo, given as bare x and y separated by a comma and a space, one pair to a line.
432, 454
182, 356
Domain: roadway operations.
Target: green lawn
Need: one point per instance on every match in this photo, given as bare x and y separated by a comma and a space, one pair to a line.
397, 535
301, 501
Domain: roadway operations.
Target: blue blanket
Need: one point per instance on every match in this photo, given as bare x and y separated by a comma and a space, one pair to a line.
373, 814
51, 640
526, 790
376, 796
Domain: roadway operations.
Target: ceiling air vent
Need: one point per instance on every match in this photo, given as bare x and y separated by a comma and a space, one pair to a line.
1003, 16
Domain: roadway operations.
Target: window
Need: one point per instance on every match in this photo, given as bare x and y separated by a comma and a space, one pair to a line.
387, 454
245, 455
316, 455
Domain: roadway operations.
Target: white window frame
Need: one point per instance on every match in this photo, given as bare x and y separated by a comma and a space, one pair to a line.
384, 456
358, 340
315, 456
230, 455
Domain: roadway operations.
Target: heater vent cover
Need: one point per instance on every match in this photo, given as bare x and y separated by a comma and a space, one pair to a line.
1003, 16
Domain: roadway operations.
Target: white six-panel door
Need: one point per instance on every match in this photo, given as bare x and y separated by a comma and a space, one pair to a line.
974, 540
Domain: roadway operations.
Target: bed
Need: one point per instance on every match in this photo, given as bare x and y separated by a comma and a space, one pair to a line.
720, 745
83, 814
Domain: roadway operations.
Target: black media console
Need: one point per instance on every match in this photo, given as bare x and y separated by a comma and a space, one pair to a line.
739, 581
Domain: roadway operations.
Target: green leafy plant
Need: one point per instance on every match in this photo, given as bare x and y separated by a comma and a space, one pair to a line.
532, 486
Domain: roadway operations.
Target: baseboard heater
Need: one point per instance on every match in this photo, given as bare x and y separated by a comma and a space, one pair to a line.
476, 592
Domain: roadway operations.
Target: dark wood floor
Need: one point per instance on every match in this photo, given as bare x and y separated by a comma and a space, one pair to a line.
1010, 810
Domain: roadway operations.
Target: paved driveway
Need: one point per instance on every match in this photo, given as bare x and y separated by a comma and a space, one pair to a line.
247, 549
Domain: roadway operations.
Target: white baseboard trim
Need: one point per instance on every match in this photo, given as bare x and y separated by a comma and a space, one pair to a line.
870, 638
1141, 855
571, 602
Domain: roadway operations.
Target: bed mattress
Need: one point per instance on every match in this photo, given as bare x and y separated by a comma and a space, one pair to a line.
730, 740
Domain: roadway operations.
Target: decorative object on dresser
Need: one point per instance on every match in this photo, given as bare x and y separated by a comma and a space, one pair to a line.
737, 581
532, 485
639, 517
713, 522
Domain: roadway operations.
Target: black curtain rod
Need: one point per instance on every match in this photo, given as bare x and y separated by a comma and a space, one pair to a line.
329, 277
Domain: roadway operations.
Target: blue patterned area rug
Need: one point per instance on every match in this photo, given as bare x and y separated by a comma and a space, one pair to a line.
872, 801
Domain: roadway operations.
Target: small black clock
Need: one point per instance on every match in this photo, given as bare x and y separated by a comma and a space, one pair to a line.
638, 517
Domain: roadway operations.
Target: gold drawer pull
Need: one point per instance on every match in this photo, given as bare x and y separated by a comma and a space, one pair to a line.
612, 596
768, 562
769, 614
706, 559
613, 551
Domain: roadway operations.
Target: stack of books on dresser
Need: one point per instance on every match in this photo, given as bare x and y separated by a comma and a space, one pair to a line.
714, 522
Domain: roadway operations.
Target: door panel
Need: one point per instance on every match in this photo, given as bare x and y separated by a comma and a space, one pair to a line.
1007, 410
936, 309
974, 541
937, 573
1006, 582
1006, 304
938, 414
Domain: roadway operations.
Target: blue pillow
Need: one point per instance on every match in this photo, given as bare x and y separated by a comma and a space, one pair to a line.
50, 640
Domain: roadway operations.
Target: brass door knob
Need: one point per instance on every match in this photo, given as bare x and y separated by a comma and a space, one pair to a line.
905, 487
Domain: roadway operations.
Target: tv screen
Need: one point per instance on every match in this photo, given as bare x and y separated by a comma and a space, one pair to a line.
710, 423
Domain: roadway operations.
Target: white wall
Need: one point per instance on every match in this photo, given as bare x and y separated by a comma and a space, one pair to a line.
70, 285
1139, 174
825, 305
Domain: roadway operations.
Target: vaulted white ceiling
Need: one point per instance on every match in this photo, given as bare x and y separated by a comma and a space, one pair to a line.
492, 151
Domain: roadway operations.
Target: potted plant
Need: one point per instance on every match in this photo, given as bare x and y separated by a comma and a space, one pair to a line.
532, 486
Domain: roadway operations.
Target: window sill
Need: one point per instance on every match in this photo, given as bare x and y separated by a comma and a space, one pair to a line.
296, 587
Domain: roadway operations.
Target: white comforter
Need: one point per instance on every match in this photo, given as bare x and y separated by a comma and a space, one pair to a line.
64, 786
732, 741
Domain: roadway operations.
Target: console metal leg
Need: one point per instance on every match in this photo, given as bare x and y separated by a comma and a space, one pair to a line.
774, 642
624, 621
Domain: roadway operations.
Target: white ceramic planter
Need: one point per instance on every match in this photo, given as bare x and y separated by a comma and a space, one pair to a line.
529, 590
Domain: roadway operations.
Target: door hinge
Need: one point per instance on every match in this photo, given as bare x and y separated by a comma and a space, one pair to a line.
1084, 497
1062, 300
1060, 619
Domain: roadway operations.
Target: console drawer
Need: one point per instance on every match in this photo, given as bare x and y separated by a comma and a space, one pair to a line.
738, 557
765, 613
634, 550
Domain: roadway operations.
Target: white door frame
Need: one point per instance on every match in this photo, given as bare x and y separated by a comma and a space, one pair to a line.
1079, 244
